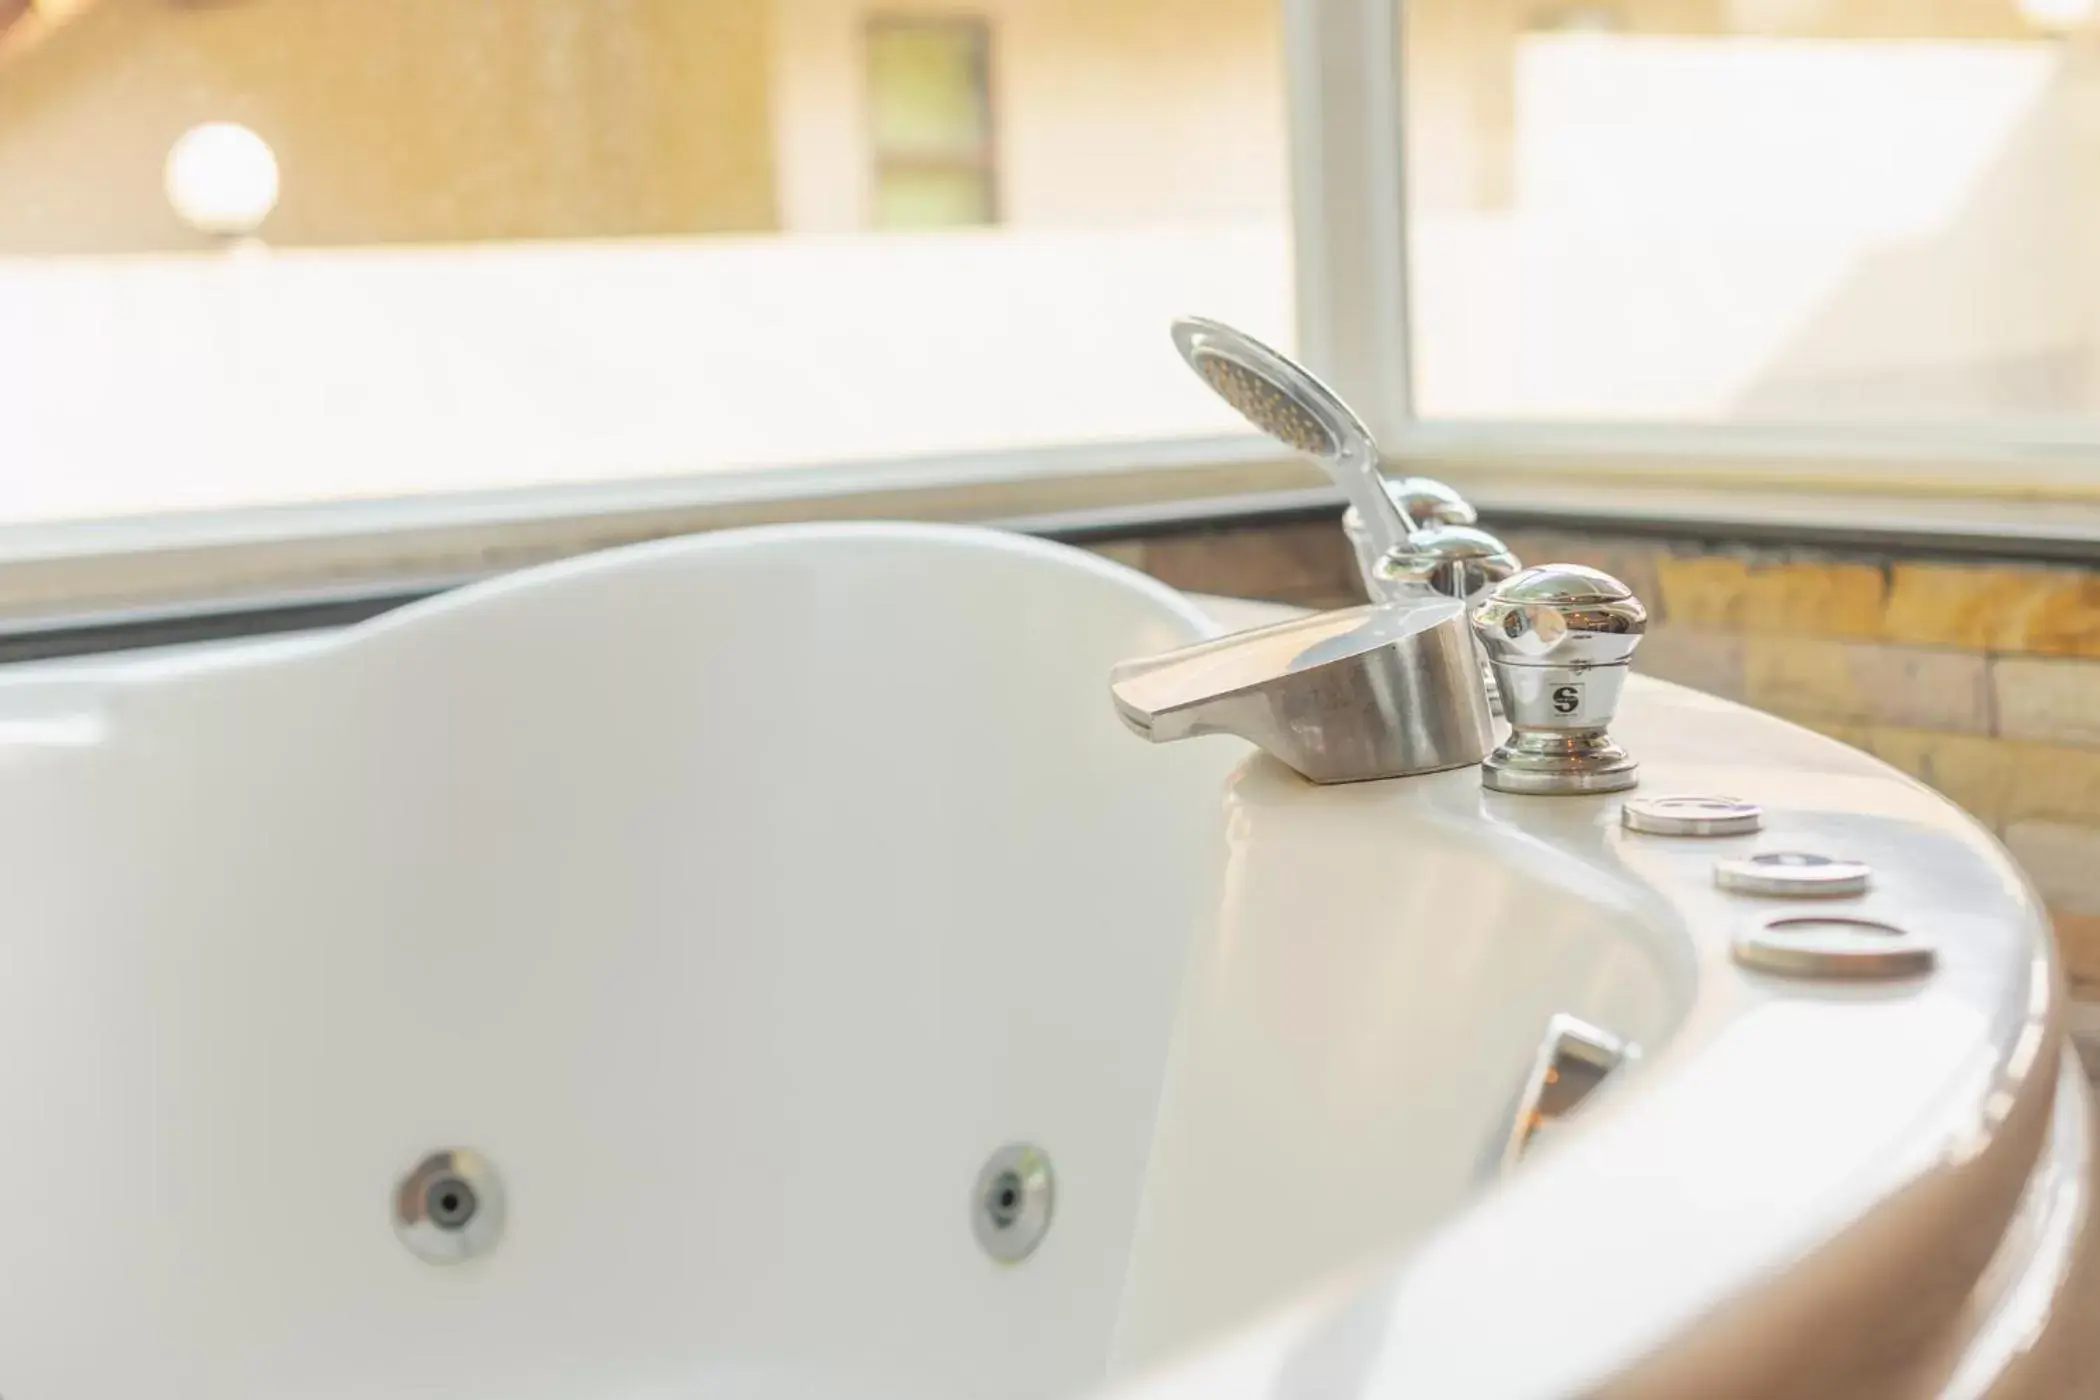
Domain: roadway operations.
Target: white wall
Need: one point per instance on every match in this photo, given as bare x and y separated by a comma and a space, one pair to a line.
1703, 230
1108, 112
1784, 229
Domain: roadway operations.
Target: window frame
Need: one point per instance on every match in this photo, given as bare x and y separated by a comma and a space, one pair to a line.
1963, 487
1975, 490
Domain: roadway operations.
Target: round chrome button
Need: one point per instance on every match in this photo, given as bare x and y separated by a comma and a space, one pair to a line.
1832, 946
449, 1207
1793, 875
1685, 814
1011, 1203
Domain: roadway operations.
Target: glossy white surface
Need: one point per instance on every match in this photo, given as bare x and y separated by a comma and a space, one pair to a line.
736, 897
1354, 1037
1777, 1181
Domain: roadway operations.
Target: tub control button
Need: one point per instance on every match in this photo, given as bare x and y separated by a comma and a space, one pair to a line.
1690, 815
1832, 946
1793, 875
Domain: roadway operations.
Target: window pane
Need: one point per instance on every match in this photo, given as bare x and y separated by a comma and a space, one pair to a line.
907, 198
1736, 210
446, 246
926, 87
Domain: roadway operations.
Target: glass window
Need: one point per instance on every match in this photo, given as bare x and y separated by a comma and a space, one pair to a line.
1814, 211
929, 90
292, 251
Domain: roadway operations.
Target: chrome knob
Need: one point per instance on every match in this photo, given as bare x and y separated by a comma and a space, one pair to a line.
1423, 500
1427, 501
1458, 561
1560, 638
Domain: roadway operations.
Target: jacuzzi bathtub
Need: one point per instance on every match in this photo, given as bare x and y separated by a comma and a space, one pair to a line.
733, 900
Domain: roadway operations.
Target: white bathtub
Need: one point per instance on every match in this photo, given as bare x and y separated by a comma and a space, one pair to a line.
736, 898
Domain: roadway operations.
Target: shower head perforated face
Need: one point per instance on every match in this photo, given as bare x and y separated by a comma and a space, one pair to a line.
1267, 389
1286, 401
1257, 401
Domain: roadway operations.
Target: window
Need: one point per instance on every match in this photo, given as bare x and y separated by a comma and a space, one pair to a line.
930, 105
301, 291
1755, 212
370, 260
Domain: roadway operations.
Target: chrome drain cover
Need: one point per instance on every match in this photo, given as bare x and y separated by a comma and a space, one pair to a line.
449, 1207
1010, 1206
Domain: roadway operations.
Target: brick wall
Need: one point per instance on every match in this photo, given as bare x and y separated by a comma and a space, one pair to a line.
1982, 679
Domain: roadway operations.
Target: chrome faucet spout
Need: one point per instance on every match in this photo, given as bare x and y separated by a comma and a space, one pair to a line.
1380, 691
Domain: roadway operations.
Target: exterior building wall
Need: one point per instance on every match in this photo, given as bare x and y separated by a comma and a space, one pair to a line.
396, 120
1108, 113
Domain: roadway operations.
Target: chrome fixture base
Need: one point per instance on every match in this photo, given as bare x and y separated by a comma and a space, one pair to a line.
1011, 1204
1382, 691
1545, 763
1684, 814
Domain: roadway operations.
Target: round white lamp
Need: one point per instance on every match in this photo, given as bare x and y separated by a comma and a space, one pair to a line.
221, 179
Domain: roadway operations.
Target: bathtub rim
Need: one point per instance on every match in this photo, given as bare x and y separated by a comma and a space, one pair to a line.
1926, 1196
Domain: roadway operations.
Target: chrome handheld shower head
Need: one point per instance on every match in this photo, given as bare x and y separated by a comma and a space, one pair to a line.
1285, 400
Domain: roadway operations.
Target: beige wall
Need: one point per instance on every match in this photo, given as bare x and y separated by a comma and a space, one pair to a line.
1831, 19
1109, 112
413, 120
396, 120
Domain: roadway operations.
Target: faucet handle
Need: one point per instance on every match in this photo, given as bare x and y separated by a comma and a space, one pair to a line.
1458, 561
1560, 638
1428, 501
1379, 691
1425, 501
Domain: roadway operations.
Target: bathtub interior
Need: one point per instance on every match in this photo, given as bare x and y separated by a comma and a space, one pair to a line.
1346, 1070
735, 899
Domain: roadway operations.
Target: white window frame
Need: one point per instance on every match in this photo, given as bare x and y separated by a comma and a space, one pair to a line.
1349, 209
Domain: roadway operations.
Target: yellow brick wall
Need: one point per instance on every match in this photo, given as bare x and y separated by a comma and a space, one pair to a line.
1981, 679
